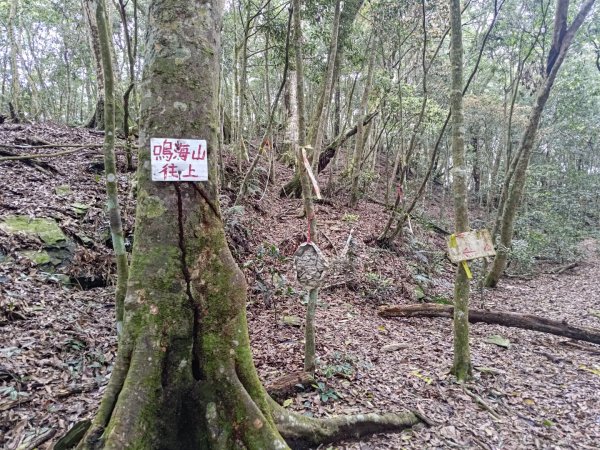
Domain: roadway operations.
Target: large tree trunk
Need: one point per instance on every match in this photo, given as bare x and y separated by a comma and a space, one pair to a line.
184, 376
507, 319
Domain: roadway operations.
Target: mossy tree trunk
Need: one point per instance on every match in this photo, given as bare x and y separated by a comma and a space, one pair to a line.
461, 367
562, 37
184, 376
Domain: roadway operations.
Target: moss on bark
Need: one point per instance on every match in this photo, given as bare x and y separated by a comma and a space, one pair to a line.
184, 376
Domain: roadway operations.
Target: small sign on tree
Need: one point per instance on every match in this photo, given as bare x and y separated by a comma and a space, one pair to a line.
470, 245
178, 159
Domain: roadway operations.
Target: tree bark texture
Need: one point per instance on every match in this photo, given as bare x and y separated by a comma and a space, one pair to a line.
461, 366
184, 376
507, 319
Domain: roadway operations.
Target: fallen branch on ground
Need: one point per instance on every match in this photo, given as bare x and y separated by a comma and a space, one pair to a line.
507, 319
562, 269
43, 167
286, 384
45, 155
482, 403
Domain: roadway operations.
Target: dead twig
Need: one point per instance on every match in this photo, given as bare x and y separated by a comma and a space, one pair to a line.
482, 403
47, 435
562, 269
45, 155
329, 241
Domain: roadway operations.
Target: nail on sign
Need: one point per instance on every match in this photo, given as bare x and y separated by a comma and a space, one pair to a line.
470, 245
178, 159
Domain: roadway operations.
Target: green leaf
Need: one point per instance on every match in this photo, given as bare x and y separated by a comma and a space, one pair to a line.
287, 402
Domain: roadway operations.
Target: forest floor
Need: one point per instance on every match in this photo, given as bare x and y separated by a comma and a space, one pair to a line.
57, 342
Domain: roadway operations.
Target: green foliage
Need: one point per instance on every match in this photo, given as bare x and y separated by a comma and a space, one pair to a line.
350, 218
560, 210
378, 287
341, 366
326, 393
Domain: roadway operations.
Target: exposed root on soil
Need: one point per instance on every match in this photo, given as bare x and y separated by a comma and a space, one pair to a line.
302, 432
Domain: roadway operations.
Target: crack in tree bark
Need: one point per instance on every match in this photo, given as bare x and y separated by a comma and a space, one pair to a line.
197, 371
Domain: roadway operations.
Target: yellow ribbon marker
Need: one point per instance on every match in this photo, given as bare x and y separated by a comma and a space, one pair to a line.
454, 244
467, 270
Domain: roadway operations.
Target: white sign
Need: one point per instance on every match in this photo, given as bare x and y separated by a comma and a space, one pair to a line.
470, 245
178, 159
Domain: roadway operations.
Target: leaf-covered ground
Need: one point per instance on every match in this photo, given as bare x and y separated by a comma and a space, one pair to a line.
57, 342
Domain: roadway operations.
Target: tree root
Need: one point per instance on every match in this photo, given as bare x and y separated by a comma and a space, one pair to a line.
302, 432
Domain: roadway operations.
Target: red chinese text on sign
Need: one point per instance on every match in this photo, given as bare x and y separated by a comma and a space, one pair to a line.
178, 159
470, 245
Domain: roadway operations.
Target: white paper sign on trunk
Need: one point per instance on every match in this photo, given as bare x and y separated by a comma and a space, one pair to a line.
470, 245
178, 159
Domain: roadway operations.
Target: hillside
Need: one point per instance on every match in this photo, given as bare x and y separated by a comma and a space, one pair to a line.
57, 340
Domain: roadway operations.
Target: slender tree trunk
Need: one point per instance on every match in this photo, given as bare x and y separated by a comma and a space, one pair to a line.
266, 144
89, 9
348, 15
15, 87
359, 146
110, 166
508, 143
322, 110
562, 38
242, 151
129, 45
298, 128
67, 62
461, 366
